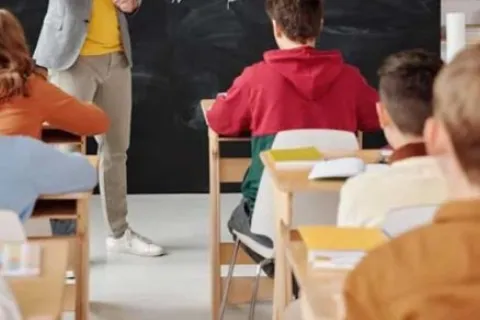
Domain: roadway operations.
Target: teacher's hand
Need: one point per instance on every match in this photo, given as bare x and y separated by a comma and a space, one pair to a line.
127, 6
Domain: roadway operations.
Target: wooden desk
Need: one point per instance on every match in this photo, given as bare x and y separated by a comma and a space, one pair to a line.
72, 206
285, 184
42, 297
320, 290
56, 136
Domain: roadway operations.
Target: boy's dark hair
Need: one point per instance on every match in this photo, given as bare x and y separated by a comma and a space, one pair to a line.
300, 20
406, 88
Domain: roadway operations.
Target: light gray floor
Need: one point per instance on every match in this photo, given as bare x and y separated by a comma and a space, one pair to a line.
172, 287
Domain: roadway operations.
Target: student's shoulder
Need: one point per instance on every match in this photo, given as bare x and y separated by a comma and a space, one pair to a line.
366, 180
352, 72
255, 70
39, 87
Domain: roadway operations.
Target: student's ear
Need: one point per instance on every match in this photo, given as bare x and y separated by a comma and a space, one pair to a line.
383, 116
277, 31
436, 137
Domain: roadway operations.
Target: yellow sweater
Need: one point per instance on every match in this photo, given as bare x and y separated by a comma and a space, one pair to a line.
103, 30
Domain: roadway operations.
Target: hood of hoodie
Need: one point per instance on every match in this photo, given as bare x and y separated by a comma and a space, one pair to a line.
310, 71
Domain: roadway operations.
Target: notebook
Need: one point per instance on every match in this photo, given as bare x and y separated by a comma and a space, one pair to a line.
339, 248
295, 157
20, 259
342, 168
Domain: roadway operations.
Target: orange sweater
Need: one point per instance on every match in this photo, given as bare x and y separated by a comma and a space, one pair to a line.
47, 103
431, 273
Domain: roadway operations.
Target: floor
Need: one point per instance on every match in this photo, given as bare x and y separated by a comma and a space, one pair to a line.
173, 287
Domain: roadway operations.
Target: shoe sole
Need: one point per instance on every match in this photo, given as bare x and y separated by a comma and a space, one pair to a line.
113, 251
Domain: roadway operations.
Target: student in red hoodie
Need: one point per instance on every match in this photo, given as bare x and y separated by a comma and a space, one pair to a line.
294, 87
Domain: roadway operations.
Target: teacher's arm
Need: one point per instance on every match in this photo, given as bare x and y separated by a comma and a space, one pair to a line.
128, 6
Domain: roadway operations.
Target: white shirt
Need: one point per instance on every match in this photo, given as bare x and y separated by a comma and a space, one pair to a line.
368, 197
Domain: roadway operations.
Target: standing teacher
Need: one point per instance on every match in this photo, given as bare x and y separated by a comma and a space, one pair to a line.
85, 45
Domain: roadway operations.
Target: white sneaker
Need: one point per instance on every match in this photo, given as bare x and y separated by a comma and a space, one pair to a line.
133, 243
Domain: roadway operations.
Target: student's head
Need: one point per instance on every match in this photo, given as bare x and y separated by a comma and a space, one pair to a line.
406, 95
295, 22
15, 60
453, 133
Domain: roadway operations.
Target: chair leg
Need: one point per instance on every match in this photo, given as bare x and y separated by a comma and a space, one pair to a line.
228, 281
256, 286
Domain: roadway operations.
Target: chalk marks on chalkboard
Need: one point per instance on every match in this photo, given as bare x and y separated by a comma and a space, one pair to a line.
210, 46
228, 2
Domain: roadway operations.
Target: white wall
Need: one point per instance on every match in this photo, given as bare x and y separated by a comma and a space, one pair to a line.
470, 7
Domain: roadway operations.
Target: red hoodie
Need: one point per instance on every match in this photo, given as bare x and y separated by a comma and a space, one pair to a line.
302, 88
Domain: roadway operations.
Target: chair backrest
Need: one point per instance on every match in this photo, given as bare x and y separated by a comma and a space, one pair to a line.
401, 220
11, 229
322, 139
312, 208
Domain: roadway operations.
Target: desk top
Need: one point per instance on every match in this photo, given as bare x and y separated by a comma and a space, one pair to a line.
320, 289
296, 180
74, 196
206, 104
42, 297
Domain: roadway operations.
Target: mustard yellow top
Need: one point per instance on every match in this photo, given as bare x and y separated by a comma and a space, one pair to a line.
103, 30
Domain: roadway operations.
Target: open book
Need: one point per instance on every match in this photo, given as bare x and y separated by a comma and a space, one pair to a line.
342, 168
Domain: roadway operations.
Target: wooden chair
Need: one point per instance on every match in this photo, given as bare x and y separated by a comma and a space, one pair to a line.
75, 207
42, 297
227, 170
63, 139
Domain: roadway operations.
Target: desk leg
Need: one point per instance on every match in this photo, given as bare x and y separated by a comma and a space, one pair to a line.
283, 278
82, 272
215, 236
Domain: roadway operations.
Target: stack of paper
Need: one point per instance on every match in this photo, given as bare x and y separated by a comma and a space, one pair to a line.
342, 168
295, 157
338, 248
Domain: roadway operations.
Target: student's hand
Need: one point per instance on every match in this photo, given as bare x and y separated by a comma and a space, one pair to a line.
127, 6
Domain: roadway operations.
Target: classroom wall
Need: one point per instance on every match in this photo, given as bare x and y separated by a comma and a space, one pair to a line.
188, 50
471, 8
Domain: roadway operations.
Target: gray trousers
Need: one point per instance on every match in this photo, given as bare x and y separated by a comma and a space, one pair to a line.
106, 80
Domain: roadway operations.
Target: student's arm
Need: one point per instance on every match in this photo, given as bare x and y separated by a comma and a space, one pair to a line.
230, 115
64, 112
367, 98
56, 172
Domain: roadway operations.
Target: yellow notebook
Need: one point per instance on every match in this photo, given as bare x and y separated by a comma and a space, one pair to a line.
295, 154
333, 247
295, 157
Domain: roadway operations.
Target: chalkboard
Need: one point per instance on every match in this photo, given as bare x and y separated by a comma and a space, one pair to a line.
191, 49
